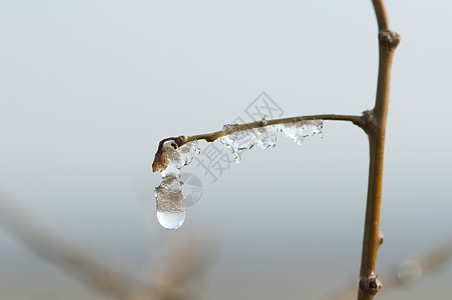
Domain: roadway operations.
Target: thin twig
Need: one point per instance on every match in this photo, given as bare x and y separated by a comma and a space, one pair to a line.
160, 159
107, 276
375, 128
382, 16
176, 268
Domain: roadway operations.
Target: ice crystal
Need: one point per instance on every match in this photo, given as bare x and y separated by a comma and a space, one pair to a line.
264, 137
298, 131
239, 141
169, 199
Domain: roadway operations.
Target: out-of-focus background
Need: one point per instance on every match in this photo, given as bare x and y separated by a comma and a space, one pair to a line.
88, 88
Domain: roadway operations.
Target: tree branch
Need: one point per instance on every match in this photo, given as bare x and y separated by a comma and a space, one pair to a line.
410, 269
108, 278
160, 159
374, 124
375, 128
382, 16
117, 281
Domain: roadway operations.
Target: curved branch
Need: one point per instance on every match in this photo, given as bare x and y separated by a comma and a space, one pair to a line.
160, 159
210, 137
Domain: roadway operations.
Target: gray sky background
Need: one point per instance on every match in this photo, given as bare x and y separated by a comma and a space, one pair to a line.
88, 88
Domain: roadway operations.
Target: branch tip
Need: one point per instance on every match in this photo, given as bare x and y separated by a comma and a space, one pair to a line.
160, 159
161, 156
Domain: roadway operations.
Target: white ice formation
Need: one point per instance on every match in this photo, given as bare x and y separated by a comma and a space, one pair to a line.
169, 198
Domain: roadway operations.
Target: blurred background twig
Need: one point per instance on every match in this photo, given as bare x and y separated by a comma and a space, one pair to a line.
409, 270
179, 265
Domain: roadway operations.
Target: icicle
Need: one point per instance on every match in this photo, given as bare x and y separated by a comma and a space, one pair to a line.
169, 199
298, 131
239, 141
264, 137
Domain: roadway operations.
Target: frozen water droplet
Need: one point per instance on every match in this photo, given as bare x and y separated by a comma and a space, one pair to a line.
170, 202
179, 157
169, 199
240, 141
266, 136
298, 131
171, 220
237, 142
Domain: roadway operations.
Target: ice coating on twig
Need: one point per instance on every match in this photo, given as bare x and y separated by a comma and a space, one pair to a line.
266, 136
169, 199
239, 141
298, 131
171, 158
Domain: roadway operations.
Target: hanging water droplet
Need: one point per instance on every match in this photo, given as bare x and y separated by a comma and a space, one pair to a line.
171, 220
169, 199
